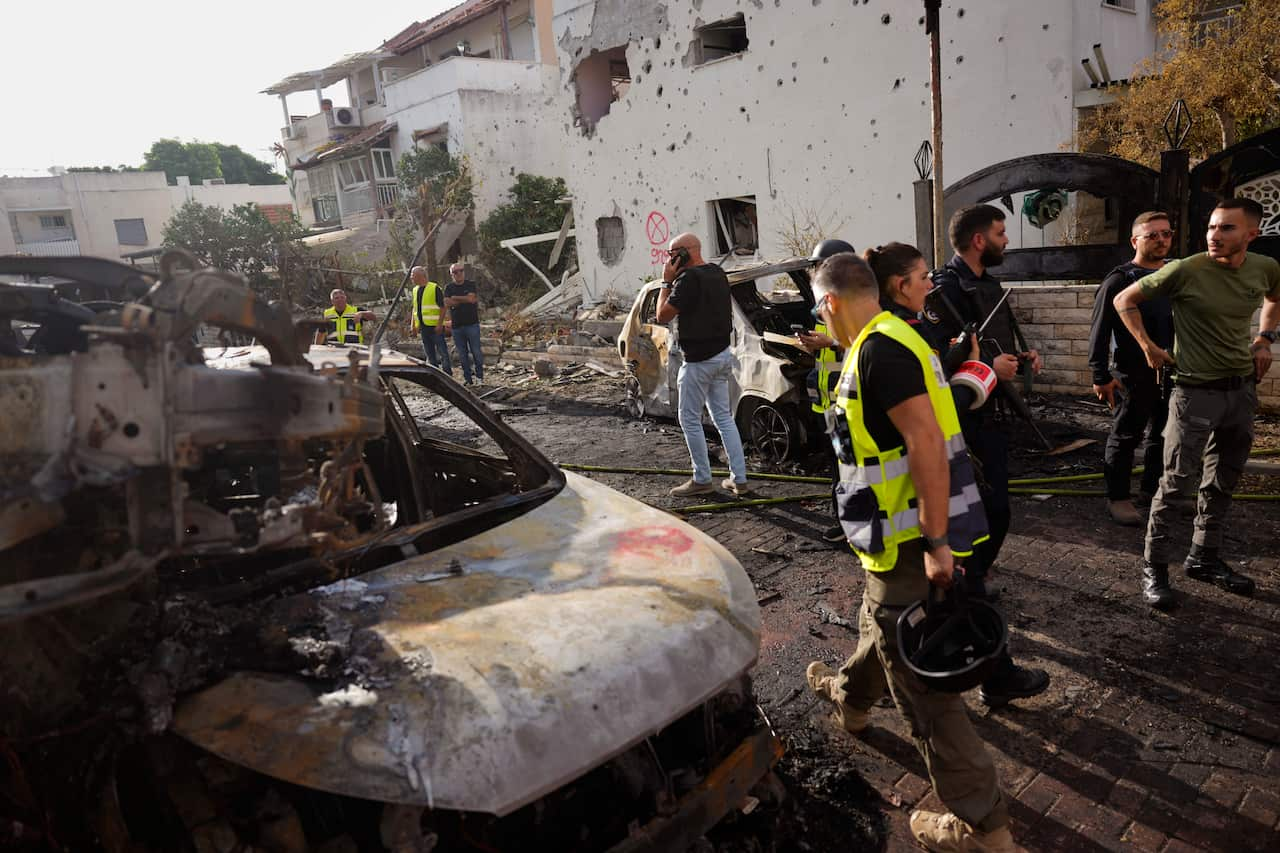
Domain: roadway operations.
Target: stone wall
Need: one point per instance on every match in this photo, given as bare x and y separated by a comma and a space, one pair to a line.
1056, 319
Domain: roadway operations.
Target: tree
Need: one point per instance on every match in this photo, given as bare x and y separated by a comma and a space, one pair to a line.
197, 160
441, 186
1223, 61
108, 169
531, 210
242, 239
239, 167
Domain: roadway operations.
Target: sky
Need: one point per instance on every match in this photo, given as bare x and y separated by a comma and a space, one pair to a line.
99, 82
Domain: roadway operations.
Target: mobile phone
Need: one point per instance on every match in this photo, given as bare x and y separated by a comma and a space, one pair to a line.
679, 258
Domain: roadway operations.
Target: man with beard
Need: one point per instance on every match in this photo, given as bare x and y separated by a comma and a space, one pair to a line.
1132, 389
966, 287
1214, 295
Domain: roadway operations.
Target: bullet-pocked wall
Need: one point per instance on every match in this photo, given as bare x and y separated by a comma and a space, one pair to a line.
742, 120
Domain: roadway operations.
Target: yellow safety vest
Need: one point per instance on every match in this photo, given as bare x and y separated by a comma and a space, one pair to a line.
425, 310
875, 495
822, 392
343, 330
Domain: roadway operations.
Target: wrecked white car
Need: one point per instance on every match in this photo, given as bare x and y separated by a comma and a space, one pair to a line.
771, 405
263, 598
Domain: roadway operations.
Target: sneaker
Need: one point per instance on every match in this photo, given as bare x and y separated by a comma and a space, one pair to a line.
1019, 682
1214, 570
739, 489
692, 487
822, 681
1124, 513
945, 832
835, 535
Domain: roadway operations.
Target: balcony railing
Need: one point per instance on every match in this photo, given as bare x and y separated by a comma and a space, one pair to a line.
388, 195
50, 248
357, 200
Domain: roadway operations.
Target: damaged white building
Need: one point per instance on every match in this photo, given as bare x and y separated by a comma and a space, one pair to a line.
750, 121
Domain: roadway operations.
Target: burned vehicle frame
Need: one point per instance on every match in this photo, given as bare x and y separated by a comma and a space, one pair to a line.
770, 403
247, 600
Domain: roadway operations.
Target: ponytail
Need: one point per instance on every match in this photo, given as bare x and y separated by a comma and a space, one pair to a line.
891, 259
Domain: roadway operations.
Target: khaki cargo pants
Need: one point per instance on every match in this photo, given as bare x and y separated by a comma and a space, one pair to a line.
1209, 426
959, 767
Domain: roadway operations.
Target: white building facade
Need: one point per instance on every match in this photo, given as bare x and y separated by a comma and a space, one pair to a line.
106, 214
745, 121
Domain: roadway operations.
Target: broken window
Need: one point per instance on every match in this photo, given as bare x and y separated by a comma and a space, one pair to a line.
1119, 4
610, 238
720, 39
735, 226
600, 80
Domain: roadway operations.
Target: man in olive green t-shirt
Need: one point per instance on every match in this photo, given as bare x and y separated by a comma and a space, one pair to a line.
1216, 370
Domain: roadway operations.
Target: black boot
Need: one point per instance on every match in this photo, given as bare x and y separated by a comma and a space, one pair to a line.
1208, 566
1155, 585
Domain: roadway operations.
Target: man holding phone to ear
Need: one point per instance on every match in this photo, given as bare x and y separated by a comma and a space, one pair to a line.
698, 293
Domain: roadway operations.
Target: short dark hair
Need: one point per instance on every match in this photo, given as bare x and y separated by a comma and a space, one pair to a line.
1251, 208
969, 220
1150, 216
889, 260
848, 275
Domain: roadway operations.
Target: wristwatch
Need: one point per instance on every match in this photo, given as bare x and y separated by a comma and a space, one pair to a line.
932, 543
1269, 334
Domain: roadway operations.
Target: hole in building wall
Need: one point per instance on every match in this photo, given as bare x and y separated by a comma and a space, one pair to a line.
735, 225
600, 80
719, 39
611, 239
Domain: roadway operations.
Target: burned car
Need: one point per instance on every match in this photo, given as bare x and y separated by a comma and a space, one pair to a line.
771, 405
296, 598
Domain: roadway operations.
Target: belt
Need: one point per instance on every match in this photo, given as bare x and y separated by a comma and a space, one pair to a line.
1226, 383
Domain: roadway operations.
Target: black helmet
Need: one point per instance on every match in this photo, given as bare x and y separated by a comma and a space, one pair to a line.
951, 644
827, 248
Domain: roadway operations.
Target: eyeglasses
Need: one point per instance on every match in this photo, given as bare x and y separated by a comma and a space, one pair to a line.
1163, 235
816, 311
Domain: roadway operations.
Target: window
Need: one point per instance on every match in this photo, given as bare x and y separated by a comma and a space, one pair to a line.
734, 224
1120, 4
601, 80
384, 167
131, 232
611, 238
722, 38
1216, 19
50, 223
353, 173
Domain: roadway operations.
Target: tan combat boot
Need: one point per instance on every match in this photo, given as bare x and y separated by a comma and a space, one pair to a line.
1124, 513
945, 833
822, 680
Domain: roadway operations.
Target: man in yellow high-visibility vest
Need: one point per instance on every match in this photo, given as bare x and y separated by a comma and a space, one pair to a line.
346, 321
426, 313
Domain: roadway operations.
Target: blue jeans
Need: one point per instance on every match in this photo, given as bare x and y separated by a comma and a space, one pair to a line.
706, 383
436, 346
466, 339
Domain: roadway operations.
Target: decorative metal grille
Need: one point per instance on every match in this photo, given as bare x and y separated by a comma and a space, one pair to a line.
1266, 192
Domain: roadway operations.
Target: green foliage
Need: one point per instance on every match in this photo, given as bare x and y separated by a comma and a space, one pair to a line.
203, 160
531, 210
242, 239
106, 169
239, 167
443, 178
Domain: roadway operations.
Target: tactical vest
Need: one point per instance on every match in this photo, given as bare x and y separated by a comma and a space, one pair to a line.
875, 495
425, 310
823, 379
343, 330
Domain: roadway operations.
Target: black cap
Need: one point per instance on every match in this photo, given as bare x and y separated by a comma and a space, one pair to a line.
827, 248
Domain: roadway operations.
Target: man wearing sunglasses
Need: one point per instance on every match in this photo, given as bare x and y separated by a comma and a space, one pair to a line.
1129, 386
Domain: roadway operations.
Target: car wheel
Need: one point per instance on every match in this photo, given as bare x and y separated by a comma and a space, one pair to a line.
776, 432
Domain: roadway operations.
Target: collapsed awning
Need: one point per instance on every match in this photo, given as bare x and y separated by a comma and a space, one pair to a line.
419, 33
307, 81
349, 147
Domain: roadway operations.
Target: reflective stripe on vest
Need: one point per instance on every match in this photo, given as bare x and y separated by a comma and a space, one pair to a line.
825, 376
876, 498
343, 330
425, 310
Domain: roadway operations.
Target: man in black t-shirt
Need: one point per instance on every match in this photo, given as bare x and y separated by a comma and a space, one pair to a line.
698, 293
1132, 389
460, 298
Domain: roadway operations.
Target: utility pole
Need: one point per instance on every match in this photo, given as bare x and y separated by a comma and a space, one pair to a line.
932, 11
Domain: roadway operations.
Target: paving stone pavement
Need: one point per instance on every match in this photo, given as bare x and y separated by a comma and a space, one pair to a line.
1160, 732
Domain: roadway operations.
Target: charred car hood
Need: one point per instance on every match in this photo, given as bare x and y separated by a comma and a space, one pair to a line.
488, 673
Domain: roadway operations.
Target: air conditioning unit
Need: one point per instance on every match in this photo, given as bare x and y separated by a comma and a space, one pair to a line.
344, 117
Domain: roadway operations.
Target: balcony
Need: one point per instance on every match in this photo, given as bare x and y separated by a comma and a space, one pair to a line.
459, 73
50, 248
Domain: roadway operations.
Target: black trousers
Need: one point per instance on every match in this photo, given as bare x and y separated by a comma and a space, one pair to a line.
1143, 410
990, 448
